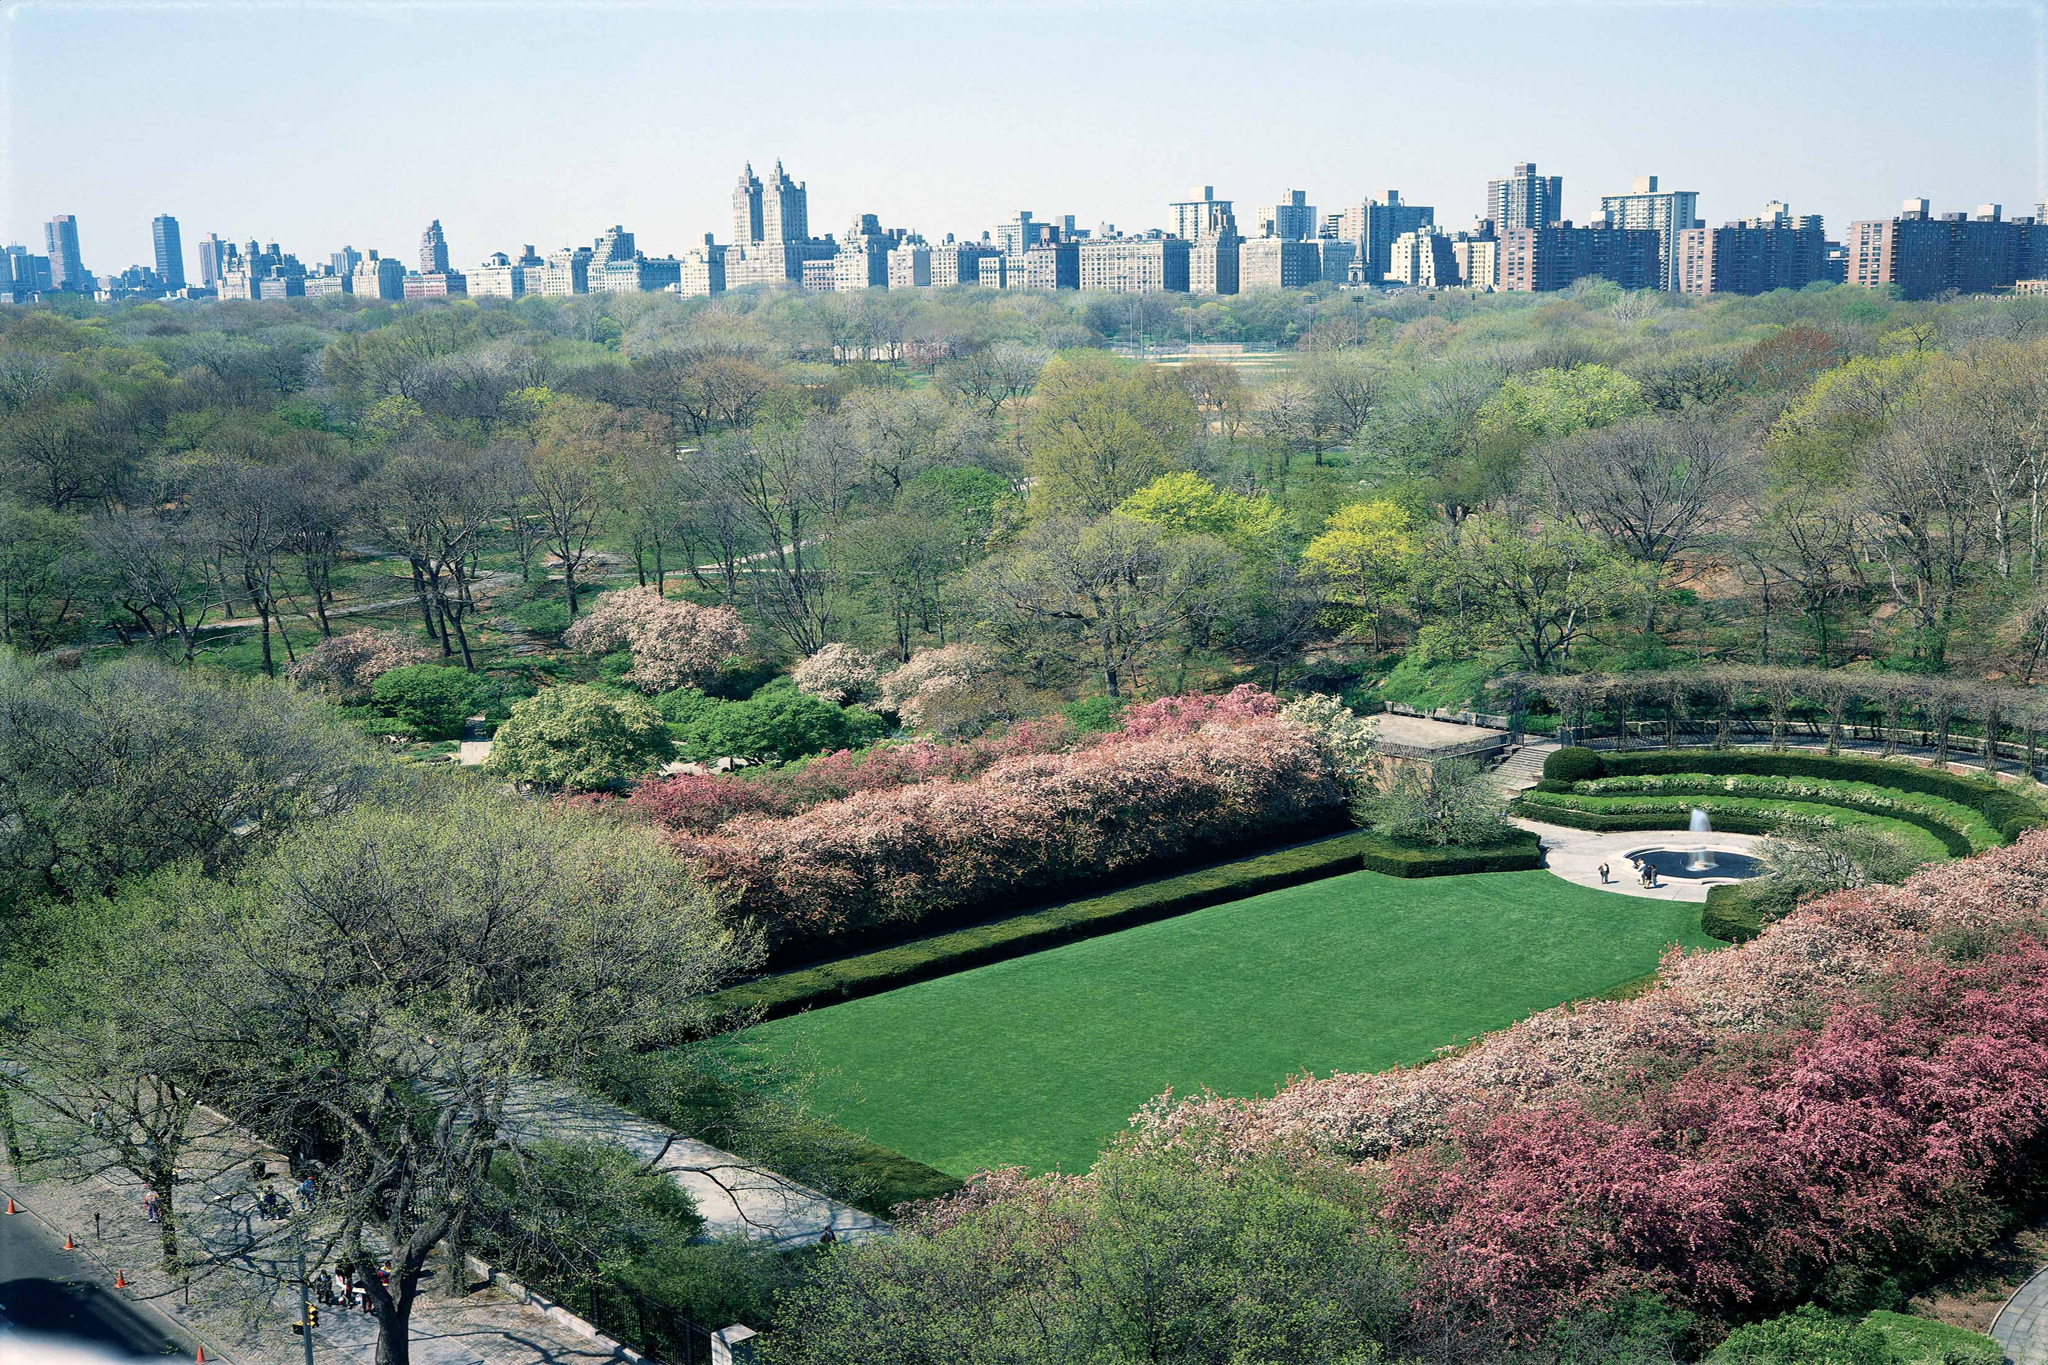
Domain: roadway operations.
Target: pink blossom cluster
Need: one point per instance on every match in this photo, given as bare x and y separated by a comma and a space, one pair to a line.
953, 690
1027, 823
674, 644
700, 803
1846, 1095
346, 665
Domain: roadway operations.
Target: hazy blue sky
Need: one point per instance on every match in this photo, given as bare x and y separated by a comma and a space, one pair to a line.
318, 125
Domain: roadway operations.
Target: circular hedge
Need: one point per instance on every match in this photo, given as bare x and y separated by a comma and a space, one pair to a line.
1573, 765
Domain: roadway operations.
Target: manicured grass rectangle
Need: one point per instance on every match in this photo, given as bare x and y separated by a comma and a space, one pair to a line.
1038, 1061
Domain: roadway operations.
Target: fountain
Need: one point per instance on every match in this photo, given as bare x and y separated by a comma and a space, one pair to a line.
1702, 860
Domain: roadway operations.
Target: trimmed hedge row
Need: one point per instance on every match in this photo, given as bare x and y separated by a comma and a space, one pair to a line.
2007, 811
1954, 841
944, 954
1730, 822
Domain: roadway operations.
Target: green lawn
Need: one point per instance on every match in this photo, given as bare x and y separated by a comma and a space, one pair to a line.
1038, 1061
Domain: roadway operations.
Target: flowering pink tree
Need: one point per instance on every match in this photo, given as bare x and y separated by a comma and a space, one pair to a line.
674, 644
840, 674
346, 665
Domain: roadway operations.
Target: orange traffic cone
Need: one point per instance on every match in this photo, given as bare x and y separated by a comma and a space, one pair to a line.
200, 1358
11, 1208
69, 1245
119, 1283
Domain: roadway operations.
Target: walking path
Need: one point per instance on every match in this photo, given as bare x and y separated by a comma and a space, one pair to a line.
2021, 1327
734, 1196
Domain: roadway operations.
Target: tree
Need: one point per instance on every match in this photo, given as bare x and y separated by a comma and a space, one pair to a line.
1364, 553
249, 508
952, 690
776, 724
1550, 403
1099, 430
1537, 589
159, 568
530, 939
1104, 595
1184, 503
1651, 489
117, 770
578, 738
346, 665
38, 573
1159, 1255
995, 376
674, 644
572, 473
432, 700
1830, 858
840, 674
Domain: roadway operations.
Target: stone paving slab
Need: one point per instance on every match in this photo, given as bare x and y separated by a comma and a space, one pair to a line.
242, 1321
2022, 1325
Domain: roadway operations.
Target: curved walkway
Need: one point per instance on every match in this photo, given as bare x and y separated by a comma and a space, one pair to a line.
2021, 1327
1576, 855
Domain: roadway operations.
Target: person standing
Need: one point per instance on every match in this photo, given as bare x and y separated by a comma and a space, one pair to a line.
1603, 874
152, 1207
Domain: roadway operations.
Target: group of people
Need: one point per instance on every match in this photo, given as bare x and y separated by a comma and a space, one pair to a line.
1645, 870
341, 1290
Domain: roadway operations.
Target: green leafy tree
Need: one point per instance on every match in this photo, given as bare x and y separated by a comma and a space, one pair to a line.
1537, 589
1364, 554
431, 698
1185, 503
579, 738
1100, 429
776, 724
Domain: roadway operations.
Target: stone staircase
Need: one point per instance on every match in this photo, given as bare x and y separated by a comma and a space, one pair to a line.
1522, 768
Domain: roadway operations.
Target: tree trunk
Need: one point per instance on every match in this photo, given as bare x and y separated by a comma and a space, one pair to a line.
419, 590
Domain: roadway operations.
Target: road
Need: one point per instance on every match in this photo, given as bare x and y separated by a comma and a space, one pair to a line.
47, 1292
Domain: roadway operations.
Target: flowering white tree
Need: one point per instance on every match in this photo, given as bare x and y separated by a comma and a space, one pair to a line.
346, 665
840, 674
956, 690
674, 644
1348, 736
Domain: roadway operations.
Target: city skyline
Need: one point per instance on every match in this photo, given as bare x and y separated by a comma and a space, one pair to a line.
947, 150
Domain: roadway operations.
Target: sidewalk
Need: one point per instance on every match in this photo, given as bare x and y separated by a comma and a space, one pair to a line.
732, 1195
237, 1320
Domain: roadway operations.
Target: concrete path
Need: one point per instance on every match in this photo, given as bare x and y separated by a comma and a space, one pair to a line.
1576, 855
2021, 1327
733, 1195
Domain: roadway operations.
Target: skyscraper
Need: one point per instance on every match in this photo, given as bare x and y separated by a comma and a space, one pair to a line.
212, 251
1525, 199
433, 250
1202, 215
67, 271
785, 209
1664, 212
170, 251
1293, 219
746, 208
1373, 227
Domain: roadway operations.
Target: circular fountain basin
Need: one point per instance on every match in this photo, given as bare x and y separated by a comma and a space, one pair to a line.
1674, 864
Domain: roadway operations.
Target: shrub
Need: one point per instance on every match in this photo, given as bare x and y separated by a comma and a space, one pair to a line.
1729, 914
1805, 1336
674, 644
1923, 1341
1573, 764
431, 698
1815, 862
775, 724
1442, 805
579, 739
1516, 851
1027, 824
543, 616
346, 665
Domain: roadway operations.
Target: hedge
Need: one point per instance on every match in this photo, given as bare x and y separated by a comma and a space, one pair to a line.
924, 959
1954, 841
1572, 764
1521, 853
1998, 805
1729, 914
1750, 815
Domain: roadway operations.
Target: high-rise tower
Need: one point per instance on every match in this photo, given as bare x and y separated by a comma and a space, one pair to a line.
67, 271
1525, 199
433, 250
170, 251
746, 208
785, 209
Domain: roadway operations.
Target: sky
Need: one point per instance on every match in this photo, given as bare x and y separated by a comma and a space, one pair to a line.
316, 125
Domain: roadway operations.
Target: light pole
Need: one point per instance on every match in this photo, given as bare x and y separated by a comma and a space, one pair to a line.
305, 1305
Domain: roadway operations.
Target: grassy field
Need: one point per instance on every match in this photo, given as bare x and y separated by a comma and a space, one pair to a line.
1038, 1061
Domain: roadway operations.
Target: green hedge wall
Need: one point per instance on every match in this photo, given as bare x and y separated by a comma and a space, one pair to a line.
2000, 806
1729, 916
1731, 822
943, 954
1519, 854
1954, 841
